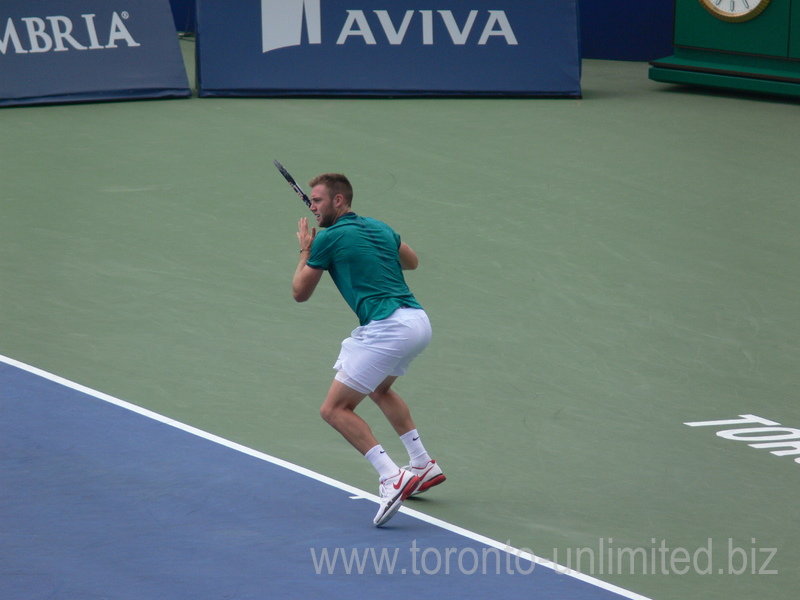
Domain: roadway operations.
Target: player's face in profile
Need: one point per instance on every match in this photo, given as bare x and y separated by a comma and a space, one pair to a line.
322, 205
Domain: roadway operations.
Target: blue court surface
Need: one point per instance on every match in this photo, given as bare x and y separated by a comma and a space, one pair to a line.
101, 499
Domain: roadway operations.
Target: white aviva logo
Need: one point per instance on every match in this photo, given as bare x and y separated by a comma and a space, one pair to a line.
282, 25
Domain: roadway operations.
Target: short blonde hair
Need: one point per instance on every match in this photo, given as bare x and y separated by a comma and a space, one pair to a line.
336, 184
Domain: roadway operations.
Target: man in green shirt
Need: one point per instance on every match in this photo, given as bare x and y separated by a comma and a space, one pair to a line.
366, 259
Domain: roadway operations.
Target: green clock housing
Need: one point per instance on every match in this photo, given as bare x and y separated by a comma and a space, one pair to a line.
751, 45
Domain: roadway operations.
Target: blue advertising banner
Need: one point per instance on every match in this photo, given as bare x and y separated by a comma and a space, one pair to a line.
396, 48
54, 51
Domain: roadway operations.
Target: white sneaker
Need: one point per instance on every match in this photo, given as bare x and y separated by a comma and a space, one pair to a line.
429, 476
393, 491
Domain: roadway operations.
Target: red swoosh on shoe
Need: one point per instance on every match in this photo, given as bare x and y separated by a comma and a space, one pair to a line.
399, 484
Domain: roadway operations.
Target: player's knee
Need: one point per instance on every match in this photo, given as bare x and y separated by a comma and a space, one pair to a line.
327, 413
330, 413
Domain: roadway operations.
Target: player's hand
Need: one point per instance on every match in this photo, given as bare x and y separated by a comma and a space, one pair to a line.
304, 235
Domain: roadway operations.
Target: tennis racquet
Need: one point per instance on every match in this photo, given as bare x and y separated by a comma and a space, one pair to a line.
298, 190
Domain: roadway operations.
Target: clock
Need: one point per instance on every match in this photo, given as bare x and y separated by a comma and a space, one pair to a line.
735, 11
748, 45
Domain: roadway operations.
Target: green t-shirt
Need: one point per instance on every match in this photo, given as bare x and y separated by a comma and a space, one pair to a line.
361, 254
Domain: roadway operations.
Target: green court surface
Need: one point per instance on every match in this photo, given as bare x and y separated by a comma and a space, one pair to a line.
598, 272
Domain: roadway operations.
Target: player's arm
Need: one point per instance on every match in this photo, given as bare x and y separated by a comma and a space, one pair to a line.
305, 278
408, 258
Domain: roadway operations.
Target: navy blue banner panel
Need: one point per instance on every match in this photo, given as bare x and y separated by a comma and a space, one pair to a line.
397, 48
54, 51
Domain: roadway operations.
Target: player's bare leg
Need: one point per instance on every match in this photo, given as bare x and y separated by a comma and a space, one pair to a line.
393, 406
338, 411
395, 484
399, 415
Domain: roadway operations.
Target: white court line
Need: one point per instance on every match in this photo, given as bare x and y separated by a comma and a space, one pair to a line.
354, 491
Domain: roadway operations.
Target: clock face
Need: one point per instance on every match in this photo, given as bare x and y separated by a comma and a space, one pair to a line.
735, 11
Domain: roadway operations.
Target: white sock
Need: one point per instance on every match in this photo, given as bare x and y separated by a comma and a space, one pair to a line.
417, 455
384, 465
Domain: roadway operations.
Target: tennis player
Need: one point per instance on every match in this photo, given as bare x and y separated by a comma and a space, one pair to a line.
366, 259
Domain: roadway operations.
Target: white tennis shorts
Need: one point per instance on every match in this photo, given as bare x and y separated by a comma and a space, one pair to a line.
382, 348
